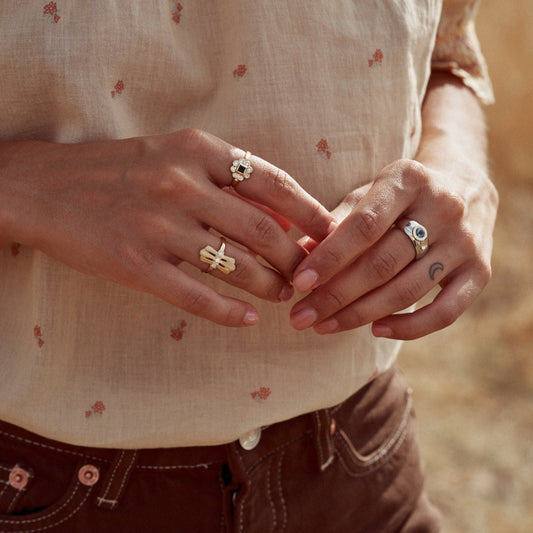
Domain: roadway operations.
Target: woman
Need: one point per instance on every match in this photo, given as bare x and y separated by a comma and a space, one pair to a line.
140, 394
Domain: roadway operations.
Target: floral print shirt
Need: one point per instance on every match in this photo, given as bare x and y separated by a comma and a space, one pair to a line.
329, 91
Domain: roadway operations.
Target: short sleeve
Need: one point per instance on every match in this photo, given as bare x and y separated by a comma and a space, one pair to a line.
457, 48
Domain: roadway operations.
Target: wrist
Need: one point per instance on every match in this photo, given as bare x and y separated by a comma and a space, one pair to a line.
20, 167
6, 210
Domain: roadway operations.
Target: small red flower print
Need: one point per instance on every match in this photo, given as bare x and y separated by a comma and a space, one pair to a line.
176, 15
377, 58
15, 249
119, 87
97, 408
37, 333
262, 394
322, 146
240, 71
50, 10
177, 332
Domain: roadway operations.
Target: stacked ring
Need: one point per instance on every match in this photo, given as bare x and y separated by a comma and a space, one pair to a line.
417, 234
241, 169
216, 258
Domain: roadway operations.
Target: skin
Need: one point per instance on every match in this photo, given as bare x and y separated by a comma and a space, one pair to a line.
131, 211
364, 271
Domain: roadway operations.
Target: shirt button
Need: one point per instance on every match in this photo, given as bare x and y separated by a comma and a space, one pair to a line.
251, 439
18, 478
88, 475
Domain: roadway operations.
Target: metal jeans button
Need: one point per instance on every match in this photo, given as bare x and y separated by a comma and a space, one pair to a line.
251, 439
18, 478
88, 475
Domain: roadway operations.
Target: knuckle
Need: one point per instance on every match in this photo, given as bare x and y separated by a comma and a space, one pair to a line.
137, 264
281, 184
196, 302
353, 198
454, 207
332, 258
446, 317
244, 268
265, 230
384, 265
353, 318
316, 215
467, 245
170, 185
366, 225
408, 174
408, 293
333, 299
414, 174
193, 139
233, 315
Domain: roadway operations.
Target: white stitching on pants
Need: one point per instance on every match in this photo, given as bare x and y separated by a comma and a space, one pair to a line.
270, 500
177, 467
102, 499
11, 506
46, 517
241, 514
277, 449
7, 484
249, 488
386, 453
392, 441
280, 490
64, 519
125, 476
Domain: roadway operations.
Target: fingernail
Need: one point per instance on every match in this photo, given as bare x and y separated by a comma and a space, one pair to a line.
332, 226
250, 318
305, 280
286, 293
328, 326
304, 319
380, 330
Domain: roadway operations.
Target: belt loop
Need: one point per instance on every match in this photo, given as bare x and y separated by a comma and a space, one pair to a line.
116, 478
323, 438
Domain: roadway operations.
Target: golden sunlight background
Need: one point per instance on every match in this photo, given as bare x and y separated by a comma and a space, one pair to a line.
474, 381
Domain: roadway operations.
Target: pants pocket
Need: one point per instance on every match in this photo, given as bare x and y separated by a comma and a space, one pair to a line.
359, 457
40, 490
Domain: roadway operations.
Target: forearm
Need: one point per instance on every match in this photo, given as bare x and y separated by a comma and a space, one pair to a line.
454, 135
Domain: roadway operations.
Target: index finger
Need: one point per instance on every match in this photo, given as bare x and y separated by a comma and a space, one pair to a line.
271, 187
369, 220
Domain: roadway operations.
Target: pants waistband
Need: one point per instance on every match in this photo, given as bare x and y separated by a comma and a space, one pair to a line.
116, 465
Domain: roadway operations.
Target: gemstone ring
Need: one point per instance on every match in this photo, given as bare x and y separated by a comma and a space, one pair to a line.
417, 234
216, 259
241, 169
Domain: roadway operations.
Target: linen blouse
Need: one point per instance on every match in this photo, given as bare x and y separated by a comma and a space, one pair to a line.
331, 92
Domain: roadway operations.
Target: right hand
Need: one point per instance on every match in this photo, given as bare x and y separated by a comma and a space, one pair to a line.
132, 210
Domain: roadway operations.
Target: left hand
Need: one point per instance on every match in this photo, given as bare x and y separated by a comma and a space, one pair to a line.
365, 271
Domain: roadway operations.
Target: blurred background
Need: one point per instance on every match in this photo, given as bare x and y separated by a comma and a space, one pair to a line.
473, 382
